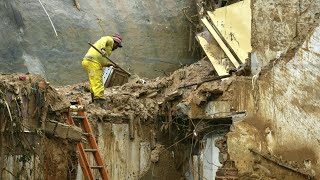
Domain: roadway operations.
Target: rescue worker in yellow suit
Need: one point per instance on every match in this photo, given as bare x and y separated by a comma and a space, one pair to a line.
93, 62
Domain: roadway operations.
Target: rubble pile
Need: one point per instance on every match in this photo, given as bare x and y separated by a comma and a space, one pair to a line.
157, 112
144, 100
30, 99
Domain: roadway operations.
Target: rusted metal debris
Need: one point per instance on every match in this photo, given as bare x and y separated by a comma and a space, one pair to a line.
279, 162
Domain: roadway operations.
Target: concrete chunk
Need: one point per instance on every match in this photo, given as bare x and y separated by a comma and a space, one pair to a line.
50, 127
62, 131
74, 133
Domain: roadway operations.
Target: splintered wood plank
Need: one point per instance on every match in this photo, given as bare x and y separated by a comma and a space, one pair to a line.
234, 24
220, 69
220, 42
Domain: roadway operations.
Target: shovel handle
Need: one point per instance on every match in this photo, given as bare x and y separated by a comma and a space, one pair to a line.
115, 64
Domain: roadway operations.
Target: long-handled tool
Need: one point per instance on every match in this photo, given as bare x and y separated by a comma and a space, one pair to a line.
115, 64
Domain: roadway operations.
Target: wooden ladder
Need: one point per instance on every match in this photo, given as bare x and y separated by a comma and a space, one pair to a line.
78, 114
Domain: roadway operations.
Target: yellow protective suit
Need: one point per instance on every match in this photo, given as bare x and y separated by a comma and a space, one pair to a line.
93, 62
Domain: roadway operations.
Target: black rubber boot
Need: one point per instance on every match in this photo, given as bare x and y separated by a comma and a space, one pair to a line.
99, 101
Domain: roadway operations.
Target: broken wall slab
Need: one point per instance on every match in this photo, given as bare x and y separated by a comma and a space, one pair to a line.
220, 40
230, 27
63, 131
125, 158
234, 24
283, 118
279, 25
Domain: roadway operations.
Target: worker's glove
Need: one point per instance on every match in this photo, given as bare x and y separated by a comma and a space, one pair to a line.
103, 52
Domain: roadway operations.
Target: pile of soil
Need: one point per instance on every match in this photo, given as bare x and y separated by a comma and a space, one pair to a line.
29, 99
143, 100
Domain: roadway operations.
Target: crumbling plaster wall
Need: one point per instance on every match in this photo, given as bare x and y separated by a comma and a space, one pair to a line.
282, 102
125, 158
134, 158
153, 31
283, 116
279, 25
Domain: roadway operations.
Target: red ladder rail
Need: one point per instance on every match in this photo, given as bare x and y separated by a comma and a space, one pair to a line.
83, 159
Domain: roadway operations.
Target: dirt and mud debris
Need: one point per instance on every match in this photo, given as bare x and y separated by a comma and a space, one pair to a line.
162, 104
59, 159
143, 100
31, 99
151, 105
26, 102
297, 167
155, 153
164, 162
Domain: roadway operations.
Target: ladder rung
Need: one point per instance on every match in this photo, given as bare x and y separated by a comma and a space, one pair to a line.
77, 117
96, 167
90, 150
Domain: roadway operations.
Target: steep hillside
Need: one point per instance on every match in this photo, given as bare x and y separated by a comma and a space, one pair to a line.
156, 36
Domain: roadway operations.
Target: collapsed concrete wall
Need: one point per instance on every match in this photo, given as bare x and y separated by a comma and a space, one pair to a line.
284, 121
150, 29
278, 139
279, 27
266, 131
